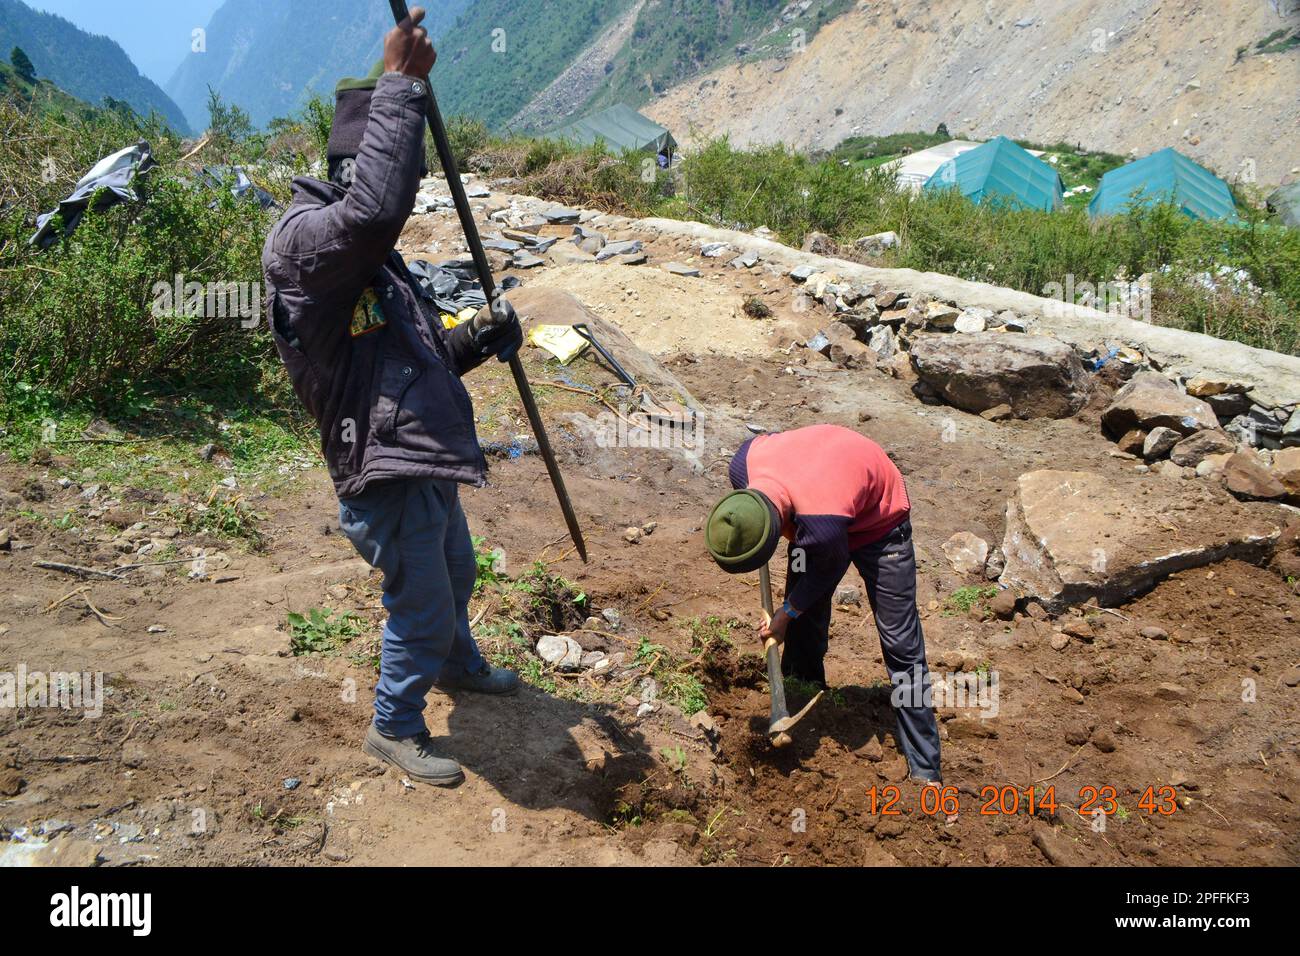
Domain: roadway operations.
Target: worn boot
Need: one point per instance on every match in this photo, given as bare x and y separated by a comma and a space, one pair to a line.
415, 757
490, 680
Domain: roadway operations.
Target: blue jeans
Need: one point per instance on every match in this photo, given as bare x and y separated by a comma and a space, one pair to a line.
415, 532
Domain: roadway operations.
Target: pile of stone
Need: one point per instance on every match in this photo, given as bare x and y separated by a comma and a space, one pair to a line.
1178, 431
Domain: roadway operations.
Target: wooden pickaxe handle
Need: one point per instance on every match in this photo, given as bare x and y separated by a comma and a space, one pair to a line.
780, 722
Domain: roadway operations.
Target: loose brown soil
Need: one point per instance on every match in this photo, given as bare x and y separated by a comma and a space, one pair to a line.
223, 748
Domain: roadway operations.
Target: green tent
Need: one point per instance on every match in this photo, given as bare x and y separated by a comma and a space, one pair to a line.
1286, 203
1003, 172
621, 128
1165, 176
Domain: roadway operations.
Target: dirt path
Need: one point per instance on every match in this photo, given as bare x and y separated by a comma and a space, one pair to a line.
218, 746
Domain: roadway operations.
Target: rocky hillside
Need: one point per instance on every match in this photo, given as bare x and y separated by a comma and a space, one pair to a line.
1217, 80
88, 67
523, 66
268, 56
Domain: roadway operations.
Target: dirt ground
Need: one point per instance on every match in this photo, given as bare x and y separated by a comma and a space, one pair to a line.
218, 746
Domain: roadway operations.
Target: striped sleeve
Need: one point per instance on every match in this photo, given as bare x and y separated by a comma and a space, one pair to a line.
824, 540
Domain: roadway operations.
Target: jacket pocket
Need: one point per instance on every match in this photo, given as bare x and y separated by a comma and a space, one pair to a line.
396, 379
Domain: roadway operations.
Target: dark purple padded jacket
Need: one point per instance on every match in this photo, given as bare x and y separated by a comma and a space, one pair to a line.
388, 398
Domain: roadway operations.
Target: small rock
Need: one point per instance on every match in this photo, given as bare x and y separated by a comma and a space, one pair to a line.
995, 854
847, 594
292, 783
649, 690
995, 565
970, 728
1081, 629
1003, 604
998, 413
1104, 741
1133, 442
1060, 642
1077, 736
1246, 477
972, 320
561, 650
871, 750
649, 527
1153, 633
966, 552
1171, 692
1190, 452
6, 540
633, 535
701, 720
890, 828
612, 617
1160, 441
134, 754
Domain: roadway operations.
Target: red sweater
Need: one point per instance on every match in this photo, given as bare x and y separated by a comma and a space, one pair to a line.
836, 491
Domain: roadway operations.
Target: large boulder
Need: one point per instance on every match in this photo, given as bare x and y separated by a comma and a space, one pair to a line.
1150, 400
1037, 376
1074, 537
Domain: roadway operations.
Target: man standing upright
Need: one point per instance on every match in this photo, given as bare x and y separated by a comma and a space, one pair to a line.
839, 500
374, 366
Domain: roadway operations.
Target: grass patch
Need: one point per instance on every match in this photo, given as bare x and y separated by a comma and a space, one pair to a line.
963, 600
322, 631
222, 515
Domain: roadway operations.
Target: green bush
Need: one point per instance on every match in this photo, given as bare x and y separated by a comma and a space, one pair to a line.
79, 317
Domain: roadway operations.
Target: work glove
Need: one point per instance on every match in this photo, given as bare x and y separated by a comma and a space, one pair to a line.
496, 330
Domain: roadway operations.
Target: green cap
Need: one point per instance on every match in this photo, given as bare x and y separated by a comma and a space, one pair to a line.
742, 531
367, 82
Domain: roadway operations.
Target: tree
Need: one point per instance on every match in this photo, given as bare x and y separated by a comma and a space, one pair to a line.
228, 125
23, 64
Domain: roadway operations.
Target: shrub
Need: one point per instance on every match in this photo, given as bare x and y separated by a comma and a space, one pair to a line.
79, 317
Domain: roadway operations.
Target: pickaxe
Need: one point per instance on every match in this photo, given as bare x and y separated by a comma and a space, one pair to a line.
475, 244
780, 723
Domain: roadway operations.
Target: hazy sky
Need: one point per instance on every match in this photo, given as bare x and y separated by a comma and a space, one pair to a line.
154, 33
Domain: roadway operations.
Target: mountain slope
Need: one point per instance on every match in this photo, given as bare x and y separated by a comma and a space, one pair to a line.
269, 56
656, 44
540, 41
43, 95
1211, 79
88, 67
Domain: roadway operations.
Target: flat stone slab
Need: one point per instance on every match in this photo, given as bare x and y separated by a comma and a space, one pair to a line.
1074, 537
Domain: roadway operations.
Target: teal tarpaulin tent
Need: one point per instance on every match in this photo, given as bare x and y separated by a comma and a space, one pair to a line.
622, 129
1165, 176
1001, 171
1286, 203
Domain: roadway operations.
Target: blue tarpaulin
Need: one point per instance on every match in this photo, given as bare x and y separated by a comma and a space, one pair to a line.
1001, 171
1165, 176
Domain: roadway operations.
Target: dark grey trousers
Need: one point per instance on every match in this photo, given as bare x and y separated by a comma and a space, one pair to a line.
888, 568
